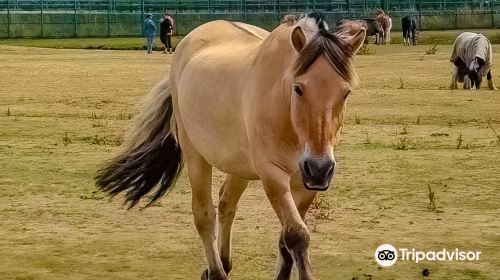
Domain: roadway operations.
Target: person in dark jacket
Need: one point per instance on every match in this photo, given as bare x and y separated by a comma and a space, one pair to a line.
166, 31
149, 32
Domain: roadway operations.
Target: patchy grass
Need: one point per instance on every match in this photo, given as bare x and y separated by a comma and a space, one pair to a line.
88, 43
437, 134
402, 84
432, 49
366, 49
55, 226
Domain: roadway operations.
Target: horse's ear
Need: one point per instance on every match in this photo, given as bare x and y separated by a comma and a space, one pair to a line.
356, 40
298, 38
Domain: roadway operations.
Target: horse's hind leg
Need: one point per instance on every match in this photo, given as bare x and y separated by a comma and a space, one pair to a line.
200, 177
491, 85
467, 82
229, 195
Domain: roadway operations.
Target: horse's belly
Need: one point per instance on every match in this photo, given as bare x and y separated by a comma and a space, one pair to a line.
210, 108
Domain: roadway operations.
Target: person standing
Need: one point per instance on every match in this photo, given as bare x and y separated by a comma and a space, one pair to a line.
166, 31
149, 32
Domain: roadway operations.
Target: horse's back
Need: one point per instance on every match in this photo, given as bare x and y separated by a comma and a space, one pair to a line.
469, 44
220, 32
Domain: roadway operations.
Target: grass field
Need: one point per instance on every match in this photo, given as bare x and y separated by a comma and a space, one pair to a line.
87, 43
64, 112
425, 37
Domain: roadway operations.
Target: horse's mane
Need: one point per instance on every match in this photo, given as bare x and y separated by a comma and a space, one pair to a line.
338, 52
291, 19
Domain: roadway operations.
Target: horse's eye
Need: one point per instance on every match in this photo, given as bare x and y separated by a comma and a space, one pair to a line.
347, 94
298, 90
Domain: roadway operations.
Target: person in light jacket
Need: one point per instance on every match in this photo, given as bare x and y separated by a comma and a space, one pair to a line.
149, 32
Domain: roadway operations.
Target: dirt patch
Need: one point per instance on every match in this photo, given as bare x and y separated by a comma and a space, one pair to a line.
63, 113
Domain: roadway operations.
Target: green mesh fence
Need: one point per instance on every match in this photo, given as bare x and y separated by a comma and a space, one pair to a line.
102, 18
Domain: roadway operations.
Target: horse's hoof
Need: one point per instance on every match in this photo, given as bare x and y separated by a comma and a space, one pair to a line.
226, 264
207, 275
204, 274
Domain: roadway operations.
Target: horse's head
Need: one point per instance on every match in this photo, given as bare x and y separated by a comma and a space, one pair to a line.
321, 80
474, 73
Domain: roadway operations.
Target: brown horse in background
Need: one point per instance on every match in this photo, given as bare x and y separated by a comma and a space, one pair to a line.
255, 105
386, 23
351, 27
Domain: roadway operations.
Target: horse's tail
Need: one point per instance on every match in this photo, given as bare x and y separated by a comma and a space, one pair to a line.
152, 158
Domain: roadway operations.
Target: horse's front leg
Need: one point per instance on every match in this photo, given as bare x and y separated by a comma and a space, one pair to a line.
303, 199
294, 239
229, 195
454, 77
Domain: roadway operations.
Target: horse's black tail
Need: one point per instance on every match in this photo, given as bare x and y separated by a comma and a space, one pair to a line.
152, 158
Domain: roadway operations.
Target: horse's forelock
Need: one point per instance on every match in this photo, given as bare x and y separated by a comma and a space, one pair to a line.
338, 53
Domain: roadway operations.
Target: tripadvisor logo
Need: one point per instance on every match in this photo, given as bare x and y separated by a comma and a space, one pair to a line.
387, 255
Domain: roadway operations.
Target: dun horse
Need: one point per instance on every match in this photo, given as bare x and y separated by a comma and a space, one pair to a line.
255, 105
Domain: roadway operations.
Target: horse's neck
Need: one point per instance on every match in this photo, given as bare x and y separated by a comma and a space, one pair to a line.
272, 64
271, 84
276, 46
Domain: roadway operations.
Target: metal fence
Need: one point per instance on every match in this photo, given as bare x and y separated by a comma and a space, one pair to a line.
99, 18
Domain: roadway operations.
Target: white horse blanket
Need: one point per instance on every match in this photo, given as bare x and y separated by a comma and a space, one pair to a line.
469, 46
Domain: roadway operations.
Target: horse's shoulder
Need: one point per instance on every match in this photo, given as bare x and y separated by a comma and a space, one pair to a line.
251, 30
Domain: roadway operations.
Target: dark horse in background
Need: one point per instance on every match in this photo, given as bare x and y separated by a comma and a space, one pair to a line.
409, 24
372, 27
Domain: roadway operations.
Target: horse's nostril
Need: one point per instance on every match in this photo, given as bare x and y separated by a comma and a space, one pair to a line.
307, 169
330, 170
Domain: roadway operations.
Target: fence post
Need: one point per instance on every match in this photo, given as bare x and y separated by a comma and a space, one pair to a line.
456, 18
419, 18
41, 18
492, 10
74, 20
109, 18
176, 26
348, 8
244, 9
142, 18
8, 18
278, 9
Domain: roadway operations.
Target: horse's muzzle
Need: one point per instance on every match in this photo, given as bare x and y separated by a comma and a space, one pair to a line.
316, 172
